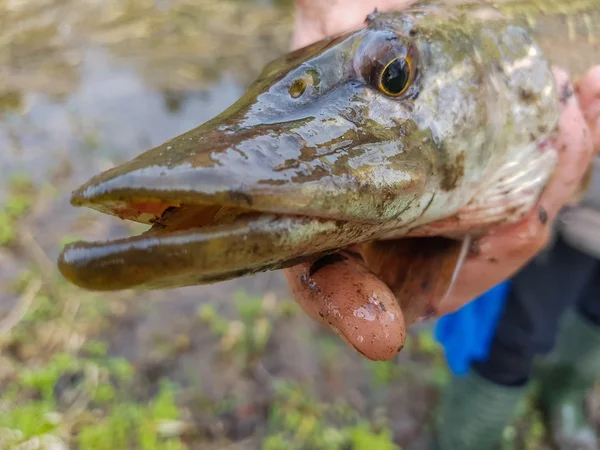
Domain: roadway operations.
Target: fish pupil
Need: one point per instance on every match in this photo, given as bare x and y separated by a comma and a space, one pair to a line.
394, 78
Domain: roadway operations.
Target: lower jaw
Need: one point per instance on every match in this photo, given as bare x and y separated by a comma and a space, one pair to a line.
164, 257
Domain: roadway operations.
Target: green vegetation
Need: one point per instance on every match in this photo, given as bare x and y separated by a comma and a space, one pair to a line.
37, 408
134, 425
82, 396
298, 421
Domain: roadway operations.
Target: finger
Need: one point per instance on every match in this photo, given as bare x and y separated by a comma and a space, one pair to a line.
588, 92
339, 292
574, 147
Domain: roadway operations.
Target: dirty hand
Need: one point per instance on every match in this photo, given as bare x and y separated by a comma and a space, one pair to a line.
346, 291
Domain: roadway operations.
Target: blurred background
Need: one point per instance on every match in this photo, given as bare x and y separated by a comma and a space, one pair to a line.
86, 85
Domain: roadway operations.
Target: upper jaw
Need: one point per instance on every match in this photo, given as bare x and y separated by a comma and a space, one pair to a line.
318, 166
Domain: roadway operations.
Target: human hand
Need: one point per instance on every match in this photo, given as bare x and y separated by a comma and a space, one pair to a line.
351, 293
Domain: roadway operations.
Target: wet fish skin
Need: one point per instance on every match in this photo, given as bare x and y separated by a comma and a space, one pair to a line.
344, 163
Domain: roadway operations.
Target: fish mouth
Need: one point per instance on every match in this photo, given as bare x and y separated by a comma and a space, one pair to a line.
200, 243
223, 204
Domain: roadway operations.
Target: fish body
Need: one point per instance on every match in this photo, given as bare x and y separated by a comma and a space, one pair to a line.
436, 120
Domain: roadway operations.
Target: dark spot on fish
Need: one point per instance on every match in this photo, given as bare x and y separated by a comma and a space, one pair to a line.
542, 129
566, 92
382, 306
321, 315
237, 196
453, 173
493, 260
542, 215
326, 260
412, 32
400, 348
527, 96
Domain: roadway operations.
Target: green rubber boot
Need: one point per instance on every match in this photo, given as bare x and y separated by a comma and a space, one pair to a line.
474, 413
564, 380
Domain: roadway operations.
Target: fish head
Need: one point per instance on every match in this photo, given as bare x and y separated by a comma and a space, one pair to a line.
332, 145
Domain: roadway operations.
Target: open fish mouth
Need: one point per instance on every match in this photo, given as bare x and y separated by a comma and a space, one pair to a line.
191, 244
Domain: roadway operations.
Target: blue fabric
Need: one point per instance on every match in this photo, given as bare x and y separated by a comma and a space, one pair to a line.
466, 334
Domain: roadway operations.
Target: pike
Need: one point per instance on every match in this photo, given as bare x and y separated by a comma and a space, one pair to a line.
434, 120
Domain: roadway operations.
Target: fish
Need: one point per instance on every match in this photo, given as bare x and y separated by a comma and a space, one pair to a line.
432, 121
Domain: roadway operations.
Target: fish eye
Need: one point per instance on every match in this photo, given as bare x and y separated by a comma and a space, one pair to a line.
396, 76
